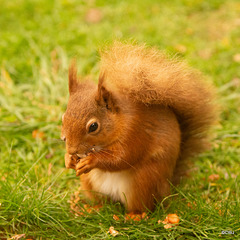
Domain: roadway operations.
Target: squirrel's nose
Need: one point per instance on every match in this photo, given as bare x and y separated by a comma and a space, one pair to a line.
75, 150
71, 150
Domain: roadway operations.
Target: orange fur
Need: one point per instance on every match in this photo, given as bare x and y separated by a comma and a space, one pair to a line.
151, 112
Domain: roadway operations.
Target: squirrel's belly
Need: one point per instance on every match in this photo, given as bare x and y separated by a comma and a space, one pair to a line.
116, 185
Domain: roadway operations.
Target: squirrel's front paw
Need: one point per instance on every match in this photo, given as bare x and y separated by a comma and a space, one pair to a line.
85, 165
70, 161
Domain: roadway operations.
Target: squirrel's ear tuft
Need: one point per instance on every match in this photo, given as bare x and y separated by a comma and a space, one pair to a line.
104, 97
72, 77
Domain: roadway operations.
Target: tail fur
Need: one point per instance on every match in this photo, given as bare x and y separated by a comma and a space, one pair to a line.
147, 75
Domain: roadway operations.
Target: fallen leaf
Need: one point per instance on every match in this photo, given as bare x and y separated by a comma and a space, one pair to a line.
236, 57
133, 216
3, 178
234, 175
6, 75
213, 184
144, 215
115, 217
237, 22
49, 169
18, 236
113, 232
160, 221
236, 82
93, 16
49, 155
213, 177
167, 226
180, 48
173, 218
170, 221
189, 31
55, 61
190, 205
205, 53
37, 134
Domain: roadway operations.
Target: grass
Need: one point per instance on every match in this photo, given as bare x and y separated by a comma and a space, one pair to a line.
37, 41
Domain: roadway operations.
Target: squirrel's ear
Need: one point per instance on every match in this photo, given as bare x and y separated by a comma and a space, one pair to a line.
72, 77
104, 97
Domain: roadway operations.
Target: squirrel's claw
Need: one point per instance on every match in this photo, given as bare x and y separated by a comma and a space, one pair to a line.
69, 161
84, 170
84, 166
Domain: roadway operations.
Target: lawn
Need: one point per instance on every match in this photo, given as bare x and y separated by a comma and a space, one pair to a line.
38, 39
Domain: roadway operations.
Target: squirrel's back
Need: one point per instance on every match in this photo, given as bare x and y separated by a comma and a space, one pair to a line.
147, 75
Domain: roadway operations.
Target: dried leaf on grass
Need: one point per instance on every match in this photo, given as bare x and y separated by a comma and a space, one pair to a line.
205, 53
49, 155
49, 169
180, 48
93, 16
192, 205
236, 58
18, 236
135, 217
167, 226
37, 134
213, 177
113, 232
170, 221
115, 217
81, 210
172, 218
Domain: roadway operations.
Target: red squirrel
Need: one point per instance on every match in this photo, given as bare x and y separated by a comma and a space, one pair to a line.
126, 135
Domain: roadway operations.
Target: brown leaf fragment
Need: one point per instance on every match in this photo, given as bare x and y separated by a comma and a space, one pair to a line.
49, 155
144, 216
113, 232
173, 218
170, 221
236, 82
205, 54
93, 16
167, 226
191, 205
115, 217
213, 177
49, 169
18, 236
37, 134
133, 216
180, 48
164, 222
236, 57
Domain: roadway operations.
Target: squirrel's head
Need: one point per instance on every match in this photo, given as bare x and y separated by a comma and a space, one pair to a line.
92, 118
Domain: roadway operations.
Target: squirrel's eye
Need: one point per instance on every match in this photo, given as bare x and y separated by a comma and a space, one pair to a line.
93, 127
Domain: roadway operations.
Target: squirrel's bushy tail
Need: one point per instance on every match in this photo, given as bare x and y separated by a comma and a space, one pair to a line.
147, 75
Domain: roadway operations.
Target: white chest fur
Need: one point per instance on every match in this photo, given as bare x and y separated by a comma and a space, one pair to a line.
116, 185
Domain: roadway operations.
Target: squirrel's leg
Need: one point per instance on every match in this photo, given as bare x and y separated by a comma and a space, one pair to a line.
150, 185
86, 187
